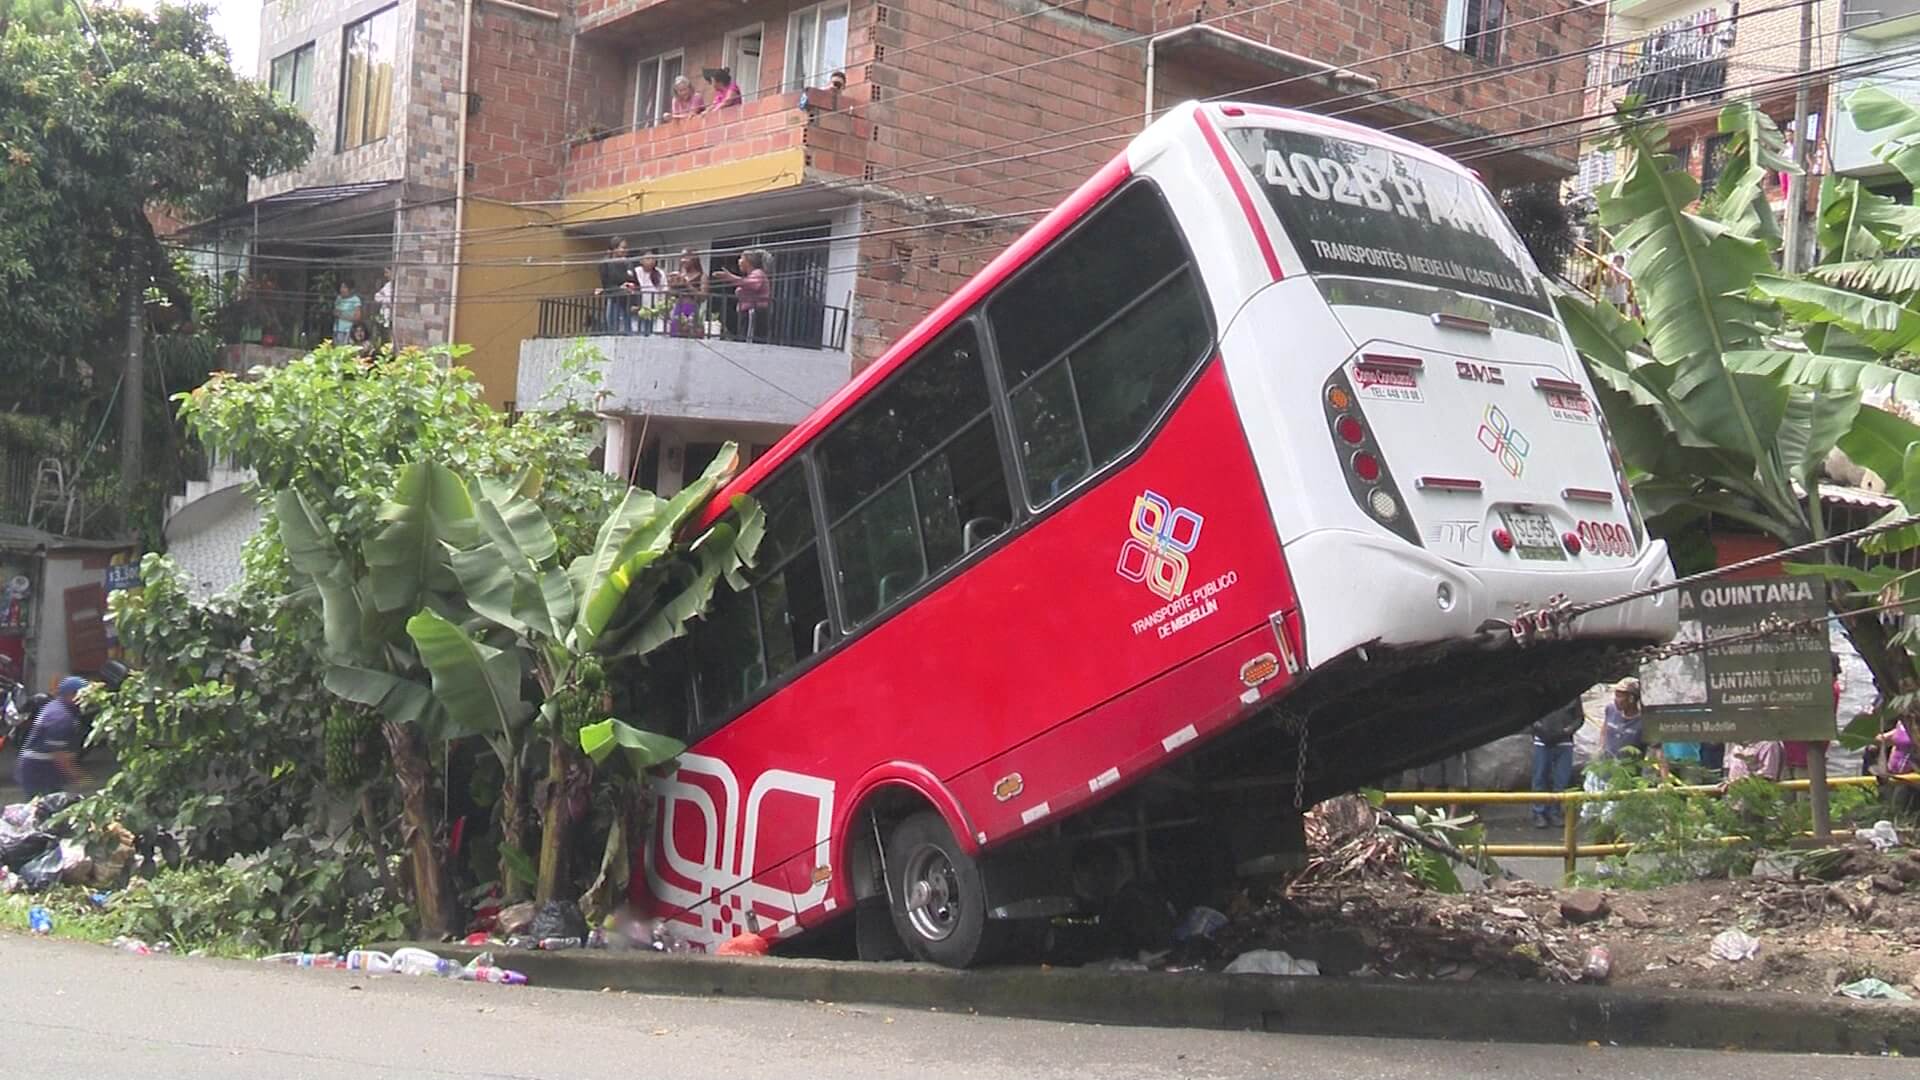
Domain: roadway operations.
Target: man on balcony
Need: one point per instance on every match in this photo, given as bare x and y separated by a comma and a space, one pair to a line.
616, 287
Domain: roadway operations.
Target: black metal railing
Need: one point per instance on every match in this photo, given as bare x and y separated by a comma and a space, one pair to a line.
792, 321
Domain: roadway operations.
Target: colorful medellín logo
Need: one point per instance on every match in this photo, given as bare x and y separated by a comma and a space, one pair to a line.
1504, 441
1157, 551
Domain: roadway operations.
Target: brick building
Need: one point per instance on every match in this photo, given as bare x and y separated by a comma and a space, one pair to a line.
959, 122
1685, 59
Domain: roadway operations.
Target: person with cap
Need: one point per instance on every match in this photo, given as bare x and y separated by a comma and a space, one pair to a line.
1623, 724
48, 761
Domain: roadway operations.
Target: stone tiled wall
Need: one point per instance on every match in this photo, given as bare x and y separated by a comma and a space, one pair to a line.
286, 25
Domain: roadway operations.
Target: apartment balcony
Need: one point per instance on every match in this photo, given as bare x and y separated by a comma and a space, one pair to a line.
760, 148
704, 366
1880, 19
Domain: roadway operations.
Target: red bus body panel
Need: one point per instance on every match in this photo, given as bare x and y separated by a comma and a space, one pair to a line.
1048, 671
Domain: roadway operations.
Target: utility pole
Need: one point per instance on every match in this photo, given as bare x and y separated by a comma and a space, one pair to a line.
133, 396
1802, 152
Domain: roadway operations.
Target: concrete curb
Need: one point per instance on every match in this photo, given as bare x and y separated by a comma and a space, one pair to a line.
1472, 1012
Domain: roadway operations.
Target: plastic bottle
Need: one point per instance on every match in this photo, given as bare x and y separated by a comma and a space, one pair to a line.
378, 963
412, 961
487, 973
1599, 965
596, 939
555, 944
304, 959
40, 920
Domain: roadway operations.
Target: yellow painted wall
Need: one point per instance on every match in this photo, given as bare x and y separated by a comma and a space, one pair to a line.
500, 293
688, 187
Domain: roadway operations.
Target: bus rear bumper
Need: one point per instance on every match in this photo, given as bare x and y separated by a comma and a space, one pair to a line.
1358, 589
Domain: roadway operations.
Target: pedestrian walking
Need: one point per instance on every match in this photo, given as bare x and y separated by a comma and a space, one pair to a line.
1623, 729
48, 761
1553, 759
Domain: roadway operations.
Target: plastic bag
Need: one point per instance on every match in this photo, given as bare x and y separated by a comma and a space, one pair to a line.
558, 919
48, 805
1734, 946
1271, 962
1874, 990
1200, 922
18, 815
18, 847
747, 944
1883, 836
1595, 811
42, 872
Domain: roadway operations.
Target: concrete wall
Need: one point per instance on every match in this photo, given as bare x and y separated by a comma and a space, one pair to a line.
1851, 149
695, 379
206, 539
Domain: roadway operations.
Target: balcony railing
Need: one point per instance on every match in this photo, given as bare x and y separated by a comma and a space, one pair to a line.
791, 321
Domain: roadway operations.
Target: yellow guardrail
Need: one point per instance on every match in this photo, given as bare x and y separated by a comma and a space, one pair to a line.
1570, 849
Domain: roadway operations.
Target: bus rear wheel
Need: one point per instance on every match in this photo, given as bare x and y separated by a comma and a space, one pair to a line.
939, 895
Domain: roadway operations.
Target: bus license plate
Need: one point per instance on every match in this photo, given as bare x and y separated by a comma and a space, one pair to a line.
1533, 535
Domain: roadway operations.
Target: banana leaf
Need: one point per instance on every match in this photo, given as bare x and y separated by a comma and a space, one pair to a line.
1885, 327
477, 685
1873, 109
1755, 148
601, 579
429, 511
642, 749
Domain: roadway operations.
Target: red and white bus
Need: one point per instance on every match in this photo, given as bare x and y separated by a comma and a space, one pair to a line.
1209, 498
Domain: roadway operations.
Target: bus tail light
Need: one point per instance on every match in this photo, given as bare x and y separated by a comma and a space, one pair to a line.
1571, 541
1369, 480
1503, 540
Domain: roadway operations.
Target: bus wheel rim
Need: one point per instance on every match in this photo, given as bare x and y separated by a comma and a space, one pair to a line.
933, 894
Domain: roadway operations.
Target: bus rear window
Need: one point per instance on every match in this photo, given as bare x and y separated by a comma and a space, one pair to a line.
1367, 211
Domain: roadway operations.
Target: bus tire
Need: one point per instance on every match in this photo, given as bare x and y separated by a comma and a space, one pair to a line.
939, 895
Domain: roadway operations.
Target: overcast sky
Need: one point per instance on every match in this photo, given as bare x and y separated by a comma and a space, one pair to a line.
239, 22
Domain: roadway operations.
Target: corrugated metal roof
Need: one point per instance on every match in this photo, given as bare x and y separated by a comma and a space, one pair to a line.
23, 538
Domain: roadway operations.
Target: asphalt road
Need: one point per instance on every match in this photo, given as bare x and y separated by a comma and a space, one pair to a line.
86, 1011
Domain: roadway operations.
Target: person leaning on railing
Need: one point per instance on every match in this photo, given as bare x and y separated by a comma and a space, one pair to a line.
616, 287
752, 293
685, 287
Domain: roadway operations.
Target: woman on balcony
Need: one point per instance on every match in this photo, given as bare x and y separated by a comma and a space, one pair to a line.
752, 294
686, 102
687, 286
725, 92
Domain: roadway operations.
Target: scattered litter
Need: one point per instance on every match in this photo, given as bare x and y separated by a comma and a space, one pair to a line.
40, 920
514, 919
407, 961
1599, 966
1125, 965
1271, 962
9, 881
557, 919
17, 815
1200, 922
1874, 989
139, 948
1511, 913
1883, 836
747, 944
1734, 946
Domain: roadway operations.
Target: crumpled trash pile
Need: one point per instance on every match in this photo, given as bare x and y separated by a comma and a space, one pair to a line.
37, 853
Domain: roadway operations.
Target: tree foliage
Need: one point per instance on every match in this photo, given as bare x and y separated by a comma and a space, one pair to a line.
94, 132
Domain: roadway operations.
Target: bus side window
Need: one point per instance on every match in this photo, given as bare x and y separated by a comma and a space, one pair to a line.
726, 655
913, 477
1095, 339
789, 589
651, 692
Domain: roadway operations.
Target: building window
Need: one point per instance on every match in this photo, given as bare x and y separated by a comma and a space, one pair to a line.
1473, 27
816, 45
1095, 339
370, 54
292, 76
653, 88
742, 57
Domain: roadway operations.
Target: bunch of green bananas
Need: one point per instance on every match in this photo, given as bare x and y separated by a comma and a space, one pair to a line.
351, 756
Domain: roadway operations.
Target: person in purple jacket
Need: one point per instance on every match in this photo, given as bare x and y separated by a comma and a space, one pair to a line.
48, 761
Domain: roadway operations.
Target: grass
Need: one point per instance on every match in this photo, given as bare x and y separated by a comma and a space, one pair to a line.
75, 916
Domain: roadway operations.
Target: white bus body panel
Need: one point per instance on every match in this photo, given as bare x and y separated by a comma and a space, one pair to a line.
1358, 582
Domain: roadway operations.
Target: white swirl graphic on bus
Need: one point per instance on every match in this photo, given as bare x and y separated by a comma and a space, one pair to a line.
719, 884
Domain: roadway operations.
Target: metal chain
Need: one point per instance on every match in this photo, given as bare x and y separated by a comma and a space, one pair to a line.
1300, 760
1555, 617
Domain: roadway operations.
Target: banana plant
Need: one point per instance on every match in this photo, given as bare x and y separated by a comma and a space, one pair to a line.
560, 625
1715, 401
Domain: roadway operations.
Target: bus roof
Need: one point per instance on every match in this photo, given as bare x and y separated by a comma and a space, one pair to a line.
1114, 173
